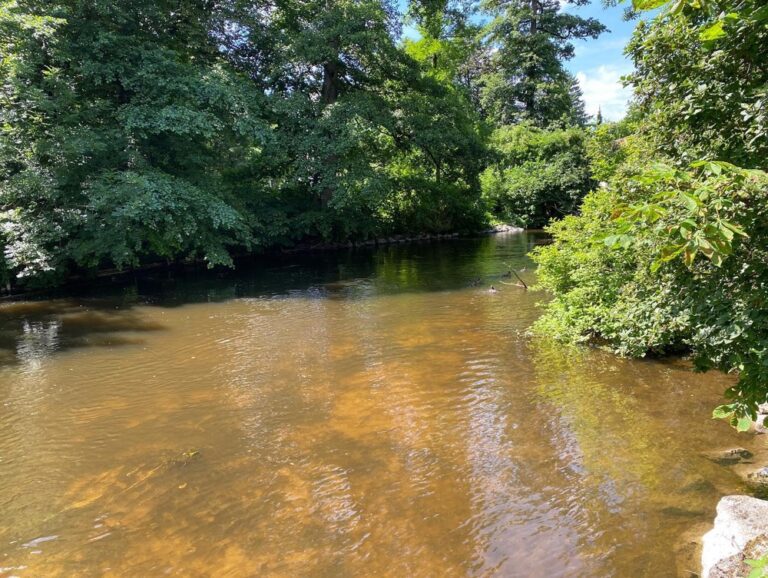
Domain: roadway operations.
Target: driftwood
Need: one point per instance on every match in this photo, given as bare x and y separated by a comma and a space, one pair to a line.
520, 279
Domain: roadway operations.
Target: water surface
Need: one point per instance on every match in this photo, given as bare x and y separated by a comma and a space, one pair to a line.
372, 413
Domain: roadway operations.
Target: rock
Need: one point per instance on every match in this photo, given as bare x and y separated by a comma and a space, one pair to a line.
740, 519
698, 485
735, 566
760, 425
730, 456
677, 512
758, 481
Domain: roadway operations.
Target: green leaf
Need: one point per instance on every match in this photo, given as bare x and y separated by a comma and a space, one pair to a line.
735, 228
722, 412
725, 231
647, 4
706, 248
713, 32
743, 424
689, 254
691, 202
687, 229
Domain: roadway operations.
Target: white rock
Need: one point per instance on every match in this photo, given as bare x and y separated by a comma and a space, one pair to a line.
739, 520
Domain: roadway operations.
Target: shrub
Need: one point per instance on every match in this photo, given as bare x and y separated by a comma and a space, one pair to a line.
687, 269
539, 174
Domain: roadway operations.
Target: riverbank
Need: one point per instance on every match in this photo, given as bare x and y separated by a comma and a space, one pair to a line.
105, 277
740, 530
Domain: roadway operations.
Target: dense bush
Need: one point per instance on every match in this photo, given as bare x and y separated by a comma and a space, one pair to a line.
701, 81
540, 174
609, 146
673, 254
688, 270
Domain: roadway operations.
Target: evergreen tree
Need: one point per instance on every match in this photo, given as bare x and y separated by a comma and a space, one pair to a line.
576, 111
532, 39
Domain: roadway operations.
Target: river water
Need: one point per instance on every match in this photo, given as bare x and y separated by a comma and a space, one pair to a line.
372, 413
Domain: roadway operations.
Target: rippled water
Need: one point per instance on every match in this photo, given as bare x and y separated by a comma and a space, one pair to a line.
375, 413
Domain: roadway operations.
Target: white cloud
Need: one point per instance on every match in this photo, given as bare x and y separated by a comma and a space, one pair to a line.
602, 89
600, 47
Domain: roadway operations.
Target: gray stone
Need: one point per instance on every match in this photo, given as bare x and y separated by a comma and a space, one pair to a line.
739, 521
735, 566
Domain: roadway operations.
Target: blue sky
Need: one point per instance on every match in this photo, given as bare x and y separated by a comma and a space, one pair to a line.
600, 64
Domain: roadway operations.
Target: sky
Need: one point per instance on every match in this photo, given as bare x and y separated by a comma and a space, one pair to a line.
599, 64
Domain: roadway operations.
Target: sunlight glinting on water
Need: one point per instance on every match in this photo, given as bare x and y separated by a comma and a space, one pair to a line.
367, 414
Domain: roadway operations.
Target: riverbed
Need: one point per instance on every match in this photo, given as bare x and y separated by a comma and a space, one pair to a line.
377, 412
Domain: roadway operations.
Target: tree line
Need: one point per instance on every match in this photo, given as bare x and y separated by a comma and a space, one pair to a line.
194, 129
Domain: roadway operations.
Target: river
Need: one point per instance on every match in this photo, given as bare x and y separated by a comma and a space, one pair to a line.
371, 413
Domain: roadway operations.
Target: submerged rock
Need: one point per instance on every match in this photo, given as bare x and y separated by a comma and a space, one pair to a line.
698, 485
758, 481
740, 523
730, 456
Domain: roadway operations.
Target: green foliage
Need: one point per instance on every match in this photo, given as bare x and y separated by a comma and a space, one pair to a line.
672, 255
609, 146
540, 174
527, 79
701, 82
117, 136
759, 567
687, 272
139, 131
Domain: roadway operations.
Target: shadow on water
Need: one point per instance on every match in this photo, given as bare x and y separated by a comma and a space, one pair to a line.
36, 330
103, 315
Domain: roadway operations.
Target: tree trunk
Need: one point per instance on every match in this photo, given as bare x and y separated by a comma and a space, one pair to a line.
529, 98
330, 91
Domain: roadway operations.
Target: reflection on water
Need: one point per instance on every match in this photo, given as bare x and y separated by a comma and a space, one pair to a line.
370, 414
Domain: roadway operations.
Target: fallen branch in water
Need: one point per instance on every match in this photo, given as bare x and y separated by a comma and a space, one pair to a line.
521, 284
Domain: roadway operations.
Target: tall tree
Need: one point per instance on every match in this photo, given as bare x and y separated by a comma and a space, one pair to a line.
575, 110
532, 39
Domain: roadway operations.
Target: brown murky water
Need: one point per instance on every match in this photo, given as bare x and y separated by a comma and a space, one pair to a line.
370, 414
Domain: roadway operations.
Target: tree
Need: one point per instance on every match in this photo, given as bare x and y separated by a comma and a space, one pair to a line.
120, 124
531, 39
574, 109
701, 80
540, 174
